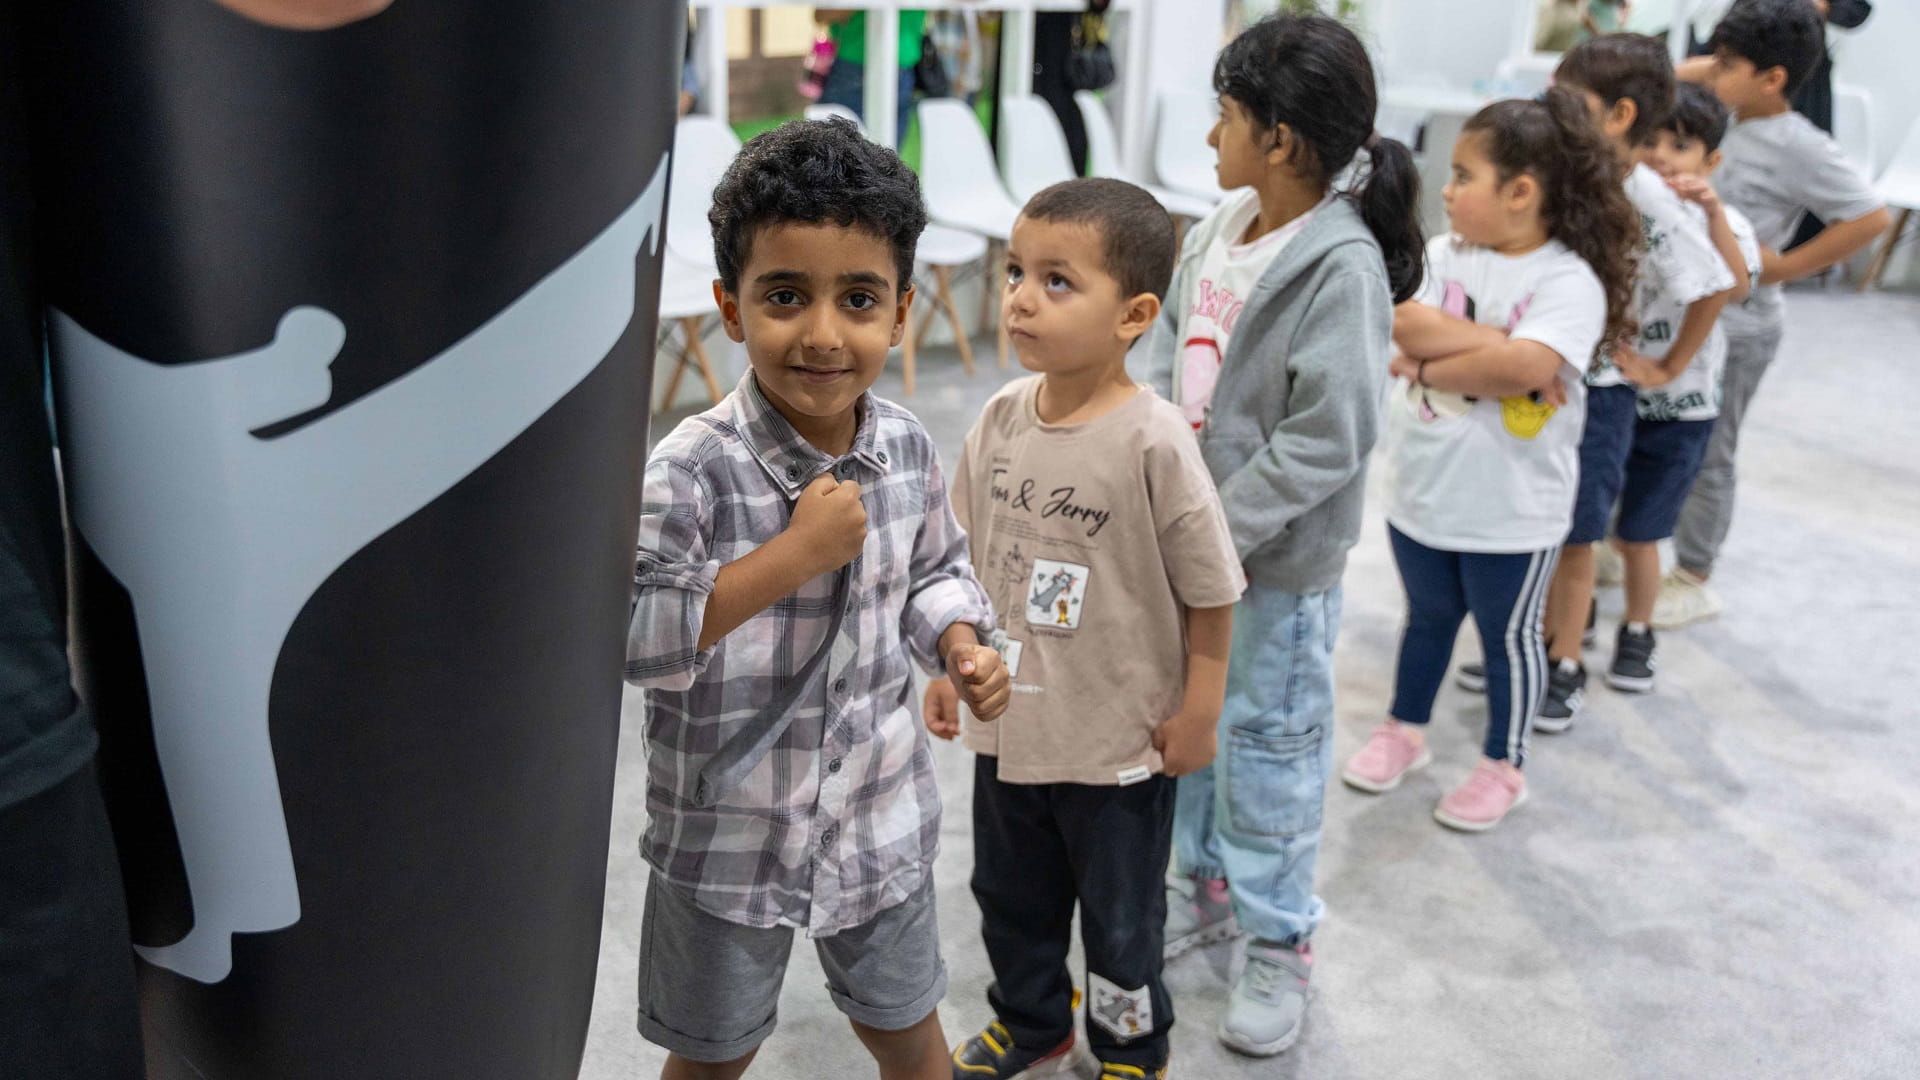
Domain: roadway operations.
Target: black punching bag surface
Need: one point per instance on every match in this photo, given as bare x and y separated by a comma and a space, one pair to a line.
352, 334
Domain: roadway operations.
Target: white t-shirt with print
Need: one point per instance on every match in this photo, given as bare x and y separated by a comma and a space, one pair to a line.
1497, 476
1678, 266
1229, 270
1695, 393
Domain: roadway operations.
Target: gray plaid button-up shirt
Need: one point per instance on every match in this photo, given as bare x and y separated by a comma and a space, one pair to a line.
842, 819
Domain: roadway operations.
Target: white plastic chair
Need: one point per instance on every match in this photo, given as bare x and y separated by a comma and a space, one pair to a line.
963, 188
1103, 159
703, 147
828, 112
1899, 186
686, 303
1180, 154
1853, 126
1034, 147
940, 249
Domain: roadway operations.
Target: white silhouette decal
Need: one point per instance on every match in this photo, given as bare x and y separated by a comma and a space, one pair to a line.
221, 537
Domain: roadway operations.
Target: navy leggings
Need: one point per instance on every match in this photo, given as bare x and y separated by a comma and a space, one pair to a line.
1504, 594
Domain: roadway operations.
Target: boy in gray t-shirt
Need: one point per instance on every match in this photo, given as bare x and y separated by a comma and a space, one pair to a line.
1778, 168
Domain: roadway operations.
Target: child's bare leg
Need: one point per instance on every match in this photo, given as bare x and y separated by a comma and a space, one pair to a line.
1568, 602
679, 1068
915, 1053
1643, 579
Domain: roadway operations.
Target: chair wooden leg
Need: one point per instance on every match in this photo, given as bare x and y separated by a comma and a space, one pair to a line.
907, 348
943, 291
1879, 264
691, 327
673, 381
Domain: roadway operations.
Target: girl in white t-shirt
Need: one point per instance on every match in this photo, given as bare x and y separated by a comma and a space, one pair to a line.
1485, 425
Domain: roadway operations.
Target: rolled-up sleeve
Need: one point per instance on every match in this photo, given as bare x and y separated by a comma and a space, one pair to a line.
673, 576
943, 589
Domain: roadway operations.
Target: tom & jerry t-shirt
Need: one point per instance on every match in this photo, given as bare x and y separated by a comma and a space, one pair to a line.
1092, 539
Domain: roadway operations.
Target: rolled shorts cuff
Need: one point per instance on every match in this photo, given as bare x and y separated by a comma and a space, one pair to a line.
704, 1050
898, 1017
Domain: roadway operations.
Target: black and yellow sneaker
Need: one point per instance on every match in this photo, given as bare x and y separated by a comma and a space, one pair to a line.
1112, 1071
991, 1055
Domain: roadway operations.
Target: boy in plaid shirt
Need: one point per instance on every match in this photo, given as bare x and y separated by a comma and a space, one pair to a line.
796, 547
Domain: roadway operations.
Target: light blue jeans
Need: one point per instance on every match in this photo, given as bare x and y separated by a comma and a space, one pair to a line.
1254, 816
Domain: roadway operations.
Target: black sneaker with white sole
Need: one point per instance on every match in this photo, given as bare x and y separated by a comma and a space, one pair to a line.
1566, 691
991, 1055
1633, 661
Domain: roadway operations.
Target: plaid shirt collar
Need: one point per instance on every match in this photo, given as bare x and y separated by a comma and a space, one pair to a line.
790, 461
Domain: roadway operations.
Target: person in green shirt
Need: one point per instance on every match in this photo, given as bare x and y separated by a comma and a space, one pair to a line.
846, 80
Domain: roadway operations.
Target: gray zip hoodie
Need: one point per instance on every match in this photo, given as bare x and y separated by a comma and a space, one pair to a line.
1297, 407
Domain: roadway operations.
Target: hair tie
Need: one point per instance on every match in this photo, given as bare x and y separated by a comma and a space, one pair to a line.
1372, 143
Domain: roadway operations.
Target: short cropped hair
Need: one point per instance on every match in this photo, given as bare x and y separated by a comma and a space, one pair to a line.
1773, 34
1696, 114
815, 172
1623, 67
1136, 235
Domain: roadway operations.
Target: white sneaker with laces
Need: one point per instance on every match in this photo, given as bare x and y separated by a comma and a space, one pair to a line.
1684, 599
1269, 1000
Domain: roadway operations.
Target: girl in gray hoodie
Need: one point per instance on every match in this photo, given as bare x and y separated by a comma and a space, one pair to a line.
1275, 342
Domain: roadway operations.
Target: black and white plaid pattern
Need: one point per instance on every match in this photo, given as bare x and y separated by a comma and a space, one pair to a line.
842, 818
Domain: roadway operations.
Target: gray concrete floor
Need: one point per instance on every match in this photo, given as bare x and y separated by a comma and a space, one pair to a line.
1719, 880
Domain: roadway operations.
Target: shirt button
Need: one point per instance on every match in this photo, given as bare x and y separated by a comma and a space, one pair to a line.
793, 473
839, 686
833, 766
882, 456
827, 838
846, 471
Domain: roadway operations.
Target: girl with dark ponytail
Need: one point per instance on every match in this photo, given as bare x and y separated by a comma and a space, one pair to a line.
1537, 273
1274, 341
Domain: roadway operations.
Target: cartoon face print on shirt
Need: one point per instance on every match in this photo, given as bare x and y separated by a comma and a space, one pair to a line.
1211, 319
1056, 594
1524, 416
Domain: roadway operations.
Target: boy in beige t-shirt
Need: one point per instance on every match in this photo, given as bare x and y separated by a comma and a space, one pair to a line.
1098, 534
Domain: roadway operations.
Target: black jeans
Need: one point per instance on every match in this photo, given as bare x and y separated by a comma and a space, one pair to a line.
67, 1005
1039, 849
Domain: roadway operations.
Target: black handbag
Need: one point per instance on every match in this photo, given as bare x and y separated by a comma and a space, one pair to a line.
930, 75
1090, 63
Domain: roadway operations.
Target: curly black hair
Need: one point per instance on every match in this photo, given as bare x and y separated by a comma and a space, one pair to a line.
1773, 34
1554, 140
1136, 235
815, 172
1312, 74
1623, 67
1697, 114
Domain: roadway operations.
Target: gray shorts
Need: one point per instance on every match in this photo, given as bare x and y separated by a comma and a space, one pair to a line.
710, 989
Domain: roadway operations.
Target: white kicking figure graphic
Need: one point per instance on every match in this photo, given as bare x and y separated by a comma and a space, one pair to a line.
221, 537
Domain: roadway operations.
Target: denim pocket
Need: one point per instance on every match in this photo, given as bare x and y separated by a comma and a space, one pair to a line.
1275, 784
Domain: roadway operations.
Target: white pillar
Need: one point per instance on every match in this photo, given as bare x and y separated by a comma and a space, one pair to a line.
882, 74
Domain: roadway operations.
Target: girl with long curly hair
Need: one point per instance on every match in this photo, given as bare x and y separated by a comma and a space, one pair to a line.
1485, 427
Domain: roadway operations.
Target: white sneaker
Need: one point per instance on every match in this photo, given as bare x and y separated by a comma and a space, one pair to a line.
1683, 599
1609, 568
1269, 1001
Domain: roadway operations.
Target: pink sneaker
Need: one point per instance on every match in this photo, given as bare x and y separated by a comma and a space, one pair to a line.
1390, 754
1479, 804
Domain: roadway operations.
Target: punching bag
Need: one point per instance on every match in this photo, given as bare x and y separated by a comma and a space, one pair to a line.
351, 312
